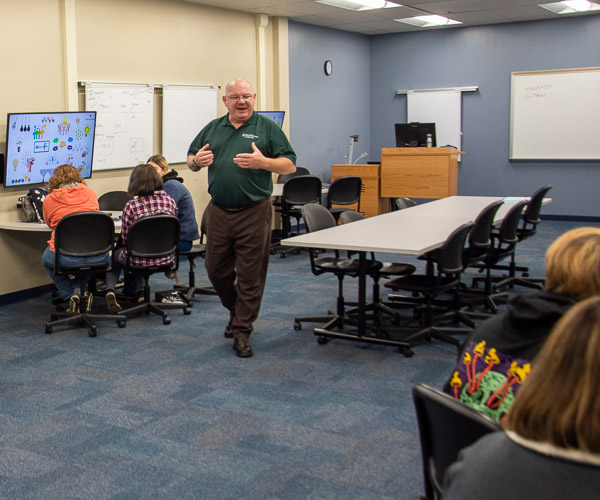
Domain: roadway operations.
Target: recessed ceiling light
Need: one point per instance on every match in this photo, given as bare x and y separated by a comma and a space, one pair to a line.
428, 21
359, 5
570, 6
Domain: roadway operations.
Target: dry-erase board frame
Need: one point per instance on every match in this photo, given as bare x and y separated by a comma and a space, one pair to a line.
125, 121
555, 115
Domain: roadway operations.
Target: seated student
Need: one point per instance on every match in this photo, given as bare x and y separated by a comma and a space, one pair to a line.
145, 185
173, 185
68, 194
551, 448
496, 357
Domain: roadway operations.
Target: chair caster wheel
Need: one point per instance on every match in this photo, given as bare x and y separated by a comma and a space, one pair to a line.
166, 320
297, 325
92, 332
187, 310
48, 329
121, 323
407, 352
321, 340
282, 255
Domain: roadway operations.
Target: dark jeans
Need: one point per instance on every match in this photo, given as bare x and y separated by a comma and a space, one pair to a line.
237, 256
66, 286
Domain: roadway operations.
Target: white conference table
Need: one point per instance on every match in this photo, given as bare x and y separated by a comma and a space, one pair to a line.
412, 231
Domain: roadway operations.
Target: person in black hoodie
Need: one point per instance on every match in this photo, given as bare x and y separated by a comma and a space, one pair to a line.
173, 185
496, 358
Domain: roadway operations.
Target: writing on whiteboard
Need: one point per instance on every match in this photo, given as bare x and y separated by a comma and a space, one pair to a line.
536, 91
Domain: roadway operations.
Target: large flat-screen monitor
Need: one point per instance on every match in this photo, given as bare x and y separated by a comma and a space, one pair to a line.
276, 116
414, 134
37, 143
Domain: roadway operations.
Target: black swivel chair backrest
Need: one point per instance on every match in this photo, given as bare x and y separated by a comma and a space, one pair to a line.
351, 216
531, 215
508, 231
83, 234
344, 190
480, 236
316, 218
153, 237
450, 257
281, 178
113, 200
300, 190
402, 203
446, 426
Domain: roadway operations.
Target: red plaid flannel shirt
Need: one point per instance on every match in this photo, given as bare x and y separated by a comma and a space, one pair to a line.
158, 203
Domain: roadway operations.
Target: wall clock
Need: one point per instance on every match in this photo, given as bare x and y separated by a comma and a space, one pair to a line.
327, 67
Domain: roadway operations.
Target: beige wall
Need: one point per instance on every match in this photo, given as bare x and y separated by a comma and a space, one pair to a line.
153, 41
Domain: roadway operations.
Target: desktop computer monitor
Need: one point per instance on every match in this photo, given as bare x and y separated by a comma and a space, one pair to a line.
414, 134
276, 116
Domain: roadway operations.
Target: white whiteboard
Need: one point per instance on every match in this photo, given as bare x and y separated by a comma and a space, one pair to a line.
555, 115
186, 109
124, 125
440, 107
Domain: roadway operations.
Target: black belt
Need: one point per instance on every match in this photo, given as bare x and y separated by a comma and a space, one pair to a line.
239, 209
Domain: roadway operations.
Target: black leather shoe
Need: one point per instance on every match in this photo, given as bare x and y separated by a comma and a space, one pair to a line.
228, 333
242, 348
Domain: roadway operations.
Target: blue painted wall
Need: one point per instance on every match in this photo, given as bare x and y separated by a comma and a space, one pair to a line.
483, 56
325, 110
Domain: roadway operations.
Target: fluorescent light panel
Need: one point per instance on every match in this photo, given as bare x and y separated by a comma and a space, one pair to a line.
360, 5
570, 6
428, 21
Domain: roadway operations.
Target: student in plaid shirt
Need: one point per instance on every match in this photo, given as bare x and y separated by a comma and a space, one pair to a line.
145, 185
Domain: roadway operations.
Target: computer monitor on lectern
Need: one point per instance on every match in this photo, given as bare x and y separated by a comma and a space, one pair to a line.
414, 134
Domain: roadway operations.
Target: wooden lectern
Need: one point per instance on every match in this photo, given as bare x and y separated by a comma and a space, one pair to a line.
419, 172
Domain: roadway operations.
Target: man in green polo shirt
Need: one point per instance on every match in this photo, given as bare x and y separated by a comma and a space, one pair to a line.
241, 150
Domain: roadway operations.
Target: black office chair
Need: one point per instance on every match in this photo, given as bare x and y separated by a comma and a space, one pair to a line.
198, 250
504, 241
344, 194
317, 217
530, 220
281, 178
402, 203
479, 242
153, 237
387, 270
425, 288
114, 201
297, 192
446, 426
83, 234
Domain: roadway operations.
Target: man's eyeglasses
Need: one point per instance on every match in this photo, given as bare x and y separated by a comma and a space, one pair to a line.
234, 97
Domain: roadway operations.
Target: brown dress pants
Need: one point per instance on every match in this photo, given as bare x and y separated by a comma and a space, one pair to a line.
237, 256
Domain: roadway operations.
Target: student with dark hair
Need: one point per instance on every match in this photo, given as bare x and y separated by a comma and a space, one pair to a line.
173, 185
551, 448
146, 186
497, 357
68, 194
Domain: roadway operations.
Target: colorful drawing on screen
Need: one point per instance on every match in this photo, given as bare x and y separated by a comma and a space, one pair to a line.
38, 142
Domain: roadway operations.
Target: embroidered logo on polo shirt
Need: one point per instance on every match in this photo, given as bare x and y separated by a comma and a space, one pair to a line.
249, 136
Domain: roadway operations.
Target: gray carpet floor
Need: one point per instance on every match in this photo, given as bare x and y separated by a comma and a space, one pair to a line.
155, 411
